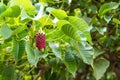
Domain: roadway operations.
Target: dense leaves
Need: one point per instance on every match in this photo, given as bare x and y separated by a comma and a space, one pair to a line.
81, 40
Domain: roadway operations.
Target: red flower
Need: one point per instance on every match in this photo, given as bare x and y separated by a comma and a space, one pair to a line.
40, 40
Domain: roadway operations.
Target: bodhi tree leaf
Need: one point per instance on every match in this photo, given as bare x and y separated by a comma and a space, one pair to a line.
107, 7
70, 31
70, 63
5, 31
99, 66
81, 25
60, 14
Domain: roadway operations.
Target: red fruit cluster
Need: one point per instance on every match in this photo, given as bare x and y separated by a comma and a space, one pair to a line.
40, 40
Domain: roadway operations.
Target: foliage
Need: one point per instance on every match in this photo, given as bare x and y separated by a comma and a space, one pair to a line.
82, 39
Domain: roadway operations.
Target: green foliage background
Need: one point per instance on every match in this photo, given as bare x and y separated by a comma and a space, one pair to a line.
82, 39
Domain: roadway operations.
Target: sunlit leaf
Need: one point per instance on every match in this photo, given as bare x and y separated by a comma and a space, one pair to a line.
81, 25
60, 23
60, 14
13, 11
70, 31
40, 12
54, 35
24, 14
107, 7
25, 3
45, 20
115, 20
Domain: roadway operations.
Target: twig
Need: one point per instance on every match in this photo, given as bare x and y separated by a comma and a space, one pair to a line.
39, 74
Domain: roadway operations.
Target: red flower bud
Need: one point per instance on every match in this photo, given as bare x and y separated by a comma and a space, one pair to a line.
40, 40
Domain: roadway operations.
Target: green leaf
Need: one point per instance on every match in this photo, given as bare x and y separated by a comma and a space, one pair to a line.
32, 55
107, 7
13, 11
115, 20
55, 48
54, 35
60, 14
24, 3
99, 66
98, 52
8, 73
37, 56
60, 23
70, 63
70, 31
85, 52
78, 23
18, 30
2, 8
54, 63
15, 50
5, 31
18, 49
24, 14
45, 20
44, 1
108, 18
23, 34
101, 30
81, 25
21, 49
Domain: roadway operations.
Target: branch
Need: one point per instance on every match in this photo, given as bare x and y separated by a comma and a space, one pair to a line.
42, 71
